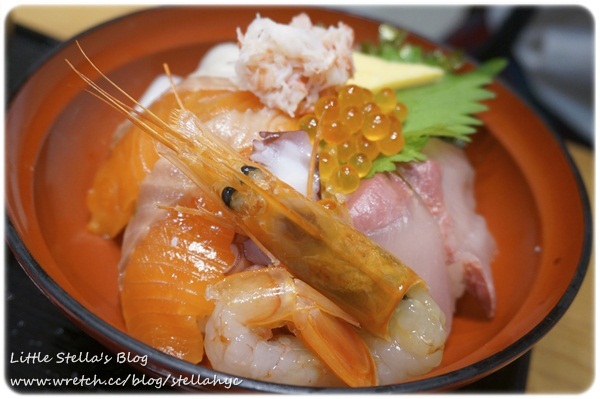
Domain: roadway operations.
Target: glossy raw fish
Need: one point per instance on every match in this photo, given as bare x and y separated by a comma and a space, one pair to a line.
391, 214
165, 278
445, 183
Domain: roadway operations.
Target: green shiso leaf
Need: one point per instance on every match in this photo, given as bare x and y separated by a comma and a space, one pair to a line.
444, 109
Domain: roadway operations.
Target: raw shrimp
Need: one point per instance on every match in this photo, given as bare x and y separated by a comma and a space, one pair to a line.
236, 115
314, 244
244, 334
416, 342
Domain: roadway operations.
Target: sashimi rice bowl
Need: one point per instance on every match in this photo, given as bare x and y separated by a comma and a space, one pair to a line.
301, 199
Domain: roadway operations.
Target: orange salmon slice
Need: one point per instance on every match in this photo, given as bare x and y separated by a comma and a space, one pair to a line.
164, 283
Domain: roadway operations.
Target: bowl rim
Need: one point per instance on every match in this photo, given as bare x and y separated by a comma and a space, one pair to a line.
93, 323
89, 322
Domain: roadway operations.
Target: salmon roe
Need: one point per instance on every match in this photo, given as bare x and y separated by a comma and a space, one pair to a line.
354, 126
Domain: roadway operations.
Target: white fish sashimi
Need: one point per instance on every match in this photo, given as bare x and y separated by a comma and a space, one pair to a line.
384, 207
389, 212
445, 182
219, 61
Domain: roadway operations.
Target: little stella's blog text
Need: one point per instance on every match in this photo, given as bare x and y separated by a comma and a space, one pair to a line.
81, 357
102, 358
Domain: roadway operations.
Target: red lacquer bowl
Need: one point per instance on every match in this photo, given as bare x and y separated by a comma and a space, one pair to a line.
57, 135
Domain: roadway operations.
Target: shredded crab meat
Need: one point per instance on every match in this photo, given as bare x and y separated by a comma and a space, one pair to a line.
287, 66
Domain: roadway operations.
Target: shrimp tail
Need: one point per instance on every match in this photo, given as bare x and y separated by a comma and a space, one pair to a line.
272, 298
322, 332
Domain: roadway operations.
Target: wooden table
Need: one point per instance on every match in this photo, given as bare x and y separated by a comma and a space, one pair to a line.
562, 362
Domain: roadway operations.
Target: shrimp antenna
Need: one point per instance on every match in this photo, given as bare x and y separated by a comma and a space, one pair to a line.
227, 160
148, 115
172, 83
312, 166
141, 121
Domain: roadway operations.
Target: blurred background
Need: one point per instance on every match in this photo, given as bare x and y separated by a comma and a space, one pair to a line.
551, 54
551, 50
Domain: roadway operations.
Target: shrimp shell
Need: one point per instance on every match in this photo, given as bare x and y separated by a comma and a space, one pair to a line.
314, 244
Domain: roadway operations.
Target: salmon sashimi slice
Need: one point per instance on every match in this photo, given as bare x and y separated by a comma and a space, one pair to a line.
164, 283
164, 188
111, 199
236, 115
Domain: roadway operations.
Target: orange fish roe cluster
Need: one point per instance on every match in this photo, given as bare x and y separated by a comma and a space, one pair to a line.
353, 126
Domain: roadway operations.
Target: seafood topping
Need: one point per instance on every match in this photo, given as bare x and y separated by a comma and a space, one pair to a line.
287, 66
351, 126
287, 155
251, 304
258, 237
445, 184
391, 214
